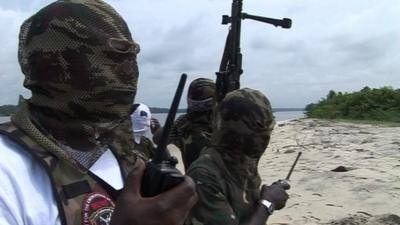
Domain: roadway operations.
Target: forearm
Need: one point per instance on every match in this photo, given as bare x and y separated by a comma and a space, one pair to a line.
259, 217
157, 136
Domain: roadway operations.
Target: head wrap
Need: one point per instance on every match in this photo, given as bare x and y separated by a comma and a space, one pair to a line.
79, 61
242, 124
141, 119
201, 95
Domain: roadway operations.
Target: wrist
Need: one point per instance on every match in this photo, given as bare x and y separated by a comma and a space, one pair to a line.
268, 206
260, 214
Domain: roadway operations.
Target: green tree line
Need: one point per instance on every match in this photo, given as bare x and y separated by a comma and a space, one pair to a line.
377, 104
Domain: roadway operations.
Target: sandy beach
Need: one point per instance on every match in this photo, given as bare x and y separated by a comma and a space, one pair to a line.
368, 155
364, 186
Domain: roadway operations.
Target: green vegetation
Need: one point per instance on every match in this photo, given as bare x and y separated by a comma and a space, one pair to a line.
6, 110
381, 104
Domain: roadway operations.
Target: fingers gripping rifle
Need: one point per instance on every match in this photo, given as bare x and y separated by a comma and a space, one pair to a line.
161, 174
228, 76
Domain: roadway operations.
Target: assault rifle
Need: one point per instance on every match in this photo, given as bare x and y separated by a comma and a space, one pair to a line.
161, 173
228, 77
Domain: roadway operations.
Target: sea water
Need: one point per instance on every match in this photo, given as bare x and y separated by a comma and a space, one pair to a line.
279, 116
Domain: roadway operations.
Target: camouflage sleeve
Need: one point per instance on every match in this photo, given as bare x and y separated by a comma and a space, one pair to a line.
146, 148
194, 143
150, 148
213, 207
153, 150
176, 135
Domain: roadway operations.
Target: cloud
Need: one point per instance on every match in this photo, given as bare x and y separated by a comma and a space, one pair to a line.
10, 76
333, 45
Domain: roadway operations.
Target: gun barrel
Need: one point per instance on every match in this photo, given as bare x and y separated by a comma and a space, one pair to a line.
284, 23
162, 152
294, 164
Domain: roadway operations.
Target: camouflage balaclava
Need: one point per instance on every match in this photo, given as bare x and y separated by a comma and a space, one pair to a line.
243, 123
201, 95
79, 61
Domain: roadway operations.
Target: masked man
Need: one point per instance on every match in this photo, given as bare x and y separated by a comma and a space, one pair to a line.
192, 131
66, 154
142, 120
226, 175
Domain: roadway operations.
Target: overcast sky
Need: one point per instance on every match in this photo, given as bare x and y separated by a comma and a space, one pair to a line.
340, 45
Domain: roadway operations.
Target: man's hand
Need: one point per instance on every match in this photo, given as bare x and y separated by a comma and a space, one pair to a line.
276, 194
154, 125
168, 208
284, 183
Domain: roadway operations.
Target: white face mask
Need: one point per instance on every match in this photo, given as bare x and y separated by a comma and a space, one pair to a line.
141, 122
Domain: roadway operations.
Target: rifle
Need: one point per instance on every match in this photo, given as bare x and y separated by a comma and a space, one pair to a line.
228, 76
161, 173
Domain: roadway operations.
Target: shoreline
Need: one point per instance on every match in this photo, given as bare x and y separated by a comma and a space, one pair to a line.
349, 172
368, 186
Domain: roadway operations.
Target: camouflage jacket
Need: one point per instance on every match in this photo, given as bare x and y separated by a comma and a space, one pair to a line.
79, 61
146, 148
191, 133
221, 199
82, 198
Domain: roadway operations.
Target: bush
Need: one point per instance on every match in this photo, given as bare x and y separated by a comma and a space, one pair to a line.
381, 104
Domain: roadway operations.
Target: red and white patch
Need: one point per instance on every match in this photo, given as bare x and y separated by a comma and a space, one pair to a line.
97, 209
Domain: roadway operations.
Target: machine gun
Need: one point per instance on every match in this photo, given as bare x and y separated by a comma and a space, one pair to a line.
228, 77
161, 173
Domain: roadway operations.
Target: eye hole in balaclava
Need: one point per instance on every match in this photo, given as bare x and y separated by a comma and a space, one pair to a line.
143, 113
123, 46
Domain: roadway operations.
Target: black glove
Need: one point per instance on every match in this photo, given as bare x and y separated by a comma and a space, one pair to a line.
276, 194
284, 183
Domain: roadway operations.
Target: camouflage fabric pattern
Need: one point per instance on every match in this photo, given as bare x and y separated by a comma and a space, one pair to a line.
145, 149
78, 57
226, 175
244, 117
61, 173
243, 123
191, 133
79, 61
221, 199
201, 95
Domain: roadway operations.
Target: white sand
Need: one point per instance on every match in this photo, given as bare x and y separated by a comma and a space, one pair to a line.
318, 195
